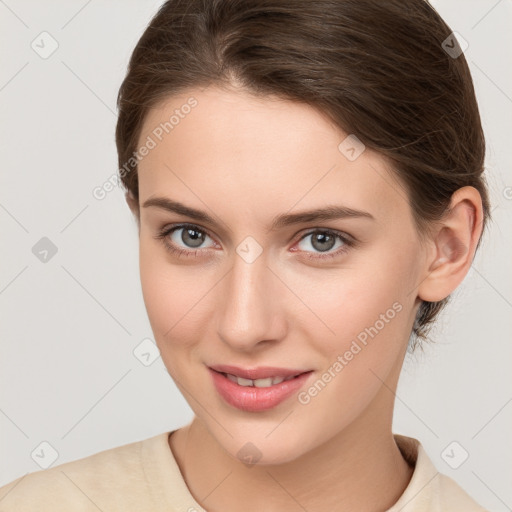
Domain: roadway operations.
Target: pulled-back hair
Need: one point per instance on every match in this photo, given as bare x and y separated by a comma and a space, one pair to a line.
390, 72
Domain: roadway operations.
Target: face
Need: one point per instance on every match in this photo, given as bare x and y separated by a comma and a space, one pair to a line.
246, 281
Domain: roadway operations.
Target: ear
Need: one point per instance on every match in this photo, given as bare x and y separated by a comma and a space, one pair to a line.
453, 247
133, 204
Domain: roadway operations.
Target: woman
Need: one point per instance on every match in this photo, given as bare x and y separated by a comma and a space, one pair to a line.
251, 133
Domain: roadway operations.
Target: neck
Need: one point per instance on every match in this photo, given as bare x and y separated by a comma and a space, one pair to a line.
361, 468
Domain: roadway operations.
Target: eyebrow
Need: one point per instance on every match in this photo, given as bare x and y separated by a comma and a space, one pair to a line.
283, 220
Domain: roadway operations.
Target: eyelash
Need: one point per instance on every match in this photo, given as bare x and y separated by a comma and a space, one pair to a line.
166, 231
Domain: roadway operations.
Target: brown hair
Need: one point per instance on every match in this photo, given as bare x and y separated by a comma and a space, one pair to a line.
378, 69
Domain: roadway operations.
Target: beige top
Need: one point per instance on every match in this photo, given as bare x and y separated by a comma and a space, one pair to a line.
144, 476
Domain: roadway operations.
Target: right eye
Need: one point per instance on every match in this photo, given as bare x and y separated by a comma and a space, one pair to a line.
184, 239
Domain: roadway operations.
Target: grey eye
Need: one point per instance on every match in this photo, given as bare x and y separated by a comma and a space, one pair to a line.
320, 241
190, 237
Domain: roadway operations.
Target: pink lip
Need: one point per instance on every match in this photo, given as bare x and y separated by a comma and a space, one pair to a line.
253, 399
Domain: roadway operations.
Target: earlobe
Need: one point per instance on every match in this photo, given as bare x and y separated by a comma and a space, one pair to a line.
454, 246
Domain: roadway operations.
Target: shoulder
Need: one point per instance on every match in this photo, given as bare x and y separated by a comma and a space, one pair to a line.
430, 490
82, 485
452, 497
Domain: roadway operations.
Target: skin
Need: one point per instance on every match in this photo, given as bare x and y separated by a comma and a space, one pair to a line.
245, 160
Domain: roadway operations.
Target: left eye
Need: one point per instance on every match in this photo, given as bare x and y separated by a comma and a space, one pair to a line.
323, 241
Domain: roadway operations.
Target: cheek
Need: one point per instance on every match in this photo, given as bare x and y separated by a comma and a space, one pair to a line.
362, 310
370, 327
172, 296
359, 318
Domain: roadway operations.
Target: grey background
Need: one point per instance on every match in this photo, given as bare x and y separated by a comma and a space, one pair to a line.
70, 325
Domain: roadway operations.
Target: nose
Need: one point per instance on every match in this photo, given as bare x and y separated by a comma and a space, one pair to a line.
250, 314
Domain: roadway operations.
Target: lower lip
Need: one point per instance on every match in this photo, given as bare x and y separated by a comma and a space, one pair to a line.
253, 399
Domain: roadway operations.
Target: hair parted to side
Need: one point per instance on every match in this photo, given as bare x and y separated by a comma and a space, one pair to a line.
377, 69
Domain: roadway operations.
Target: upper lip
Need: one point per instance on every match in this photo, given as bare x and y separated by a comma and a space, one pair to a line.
260, 372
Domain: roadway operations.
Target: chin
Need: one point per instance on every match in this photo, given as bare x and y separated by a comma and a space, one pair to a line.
270, 454
253, 446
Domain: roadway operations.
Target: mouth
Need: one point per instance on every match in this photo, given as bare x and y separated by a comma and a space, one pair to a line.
258, 383
259, 393
263, 376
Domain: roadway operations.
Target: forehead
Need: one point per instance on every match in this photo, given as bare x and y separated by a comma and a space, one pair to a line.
259, 155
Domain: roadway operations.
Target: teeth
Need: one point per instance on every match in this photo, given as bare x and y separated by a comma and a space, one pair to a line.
244, 382
263, 383
232, 378
258, 383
